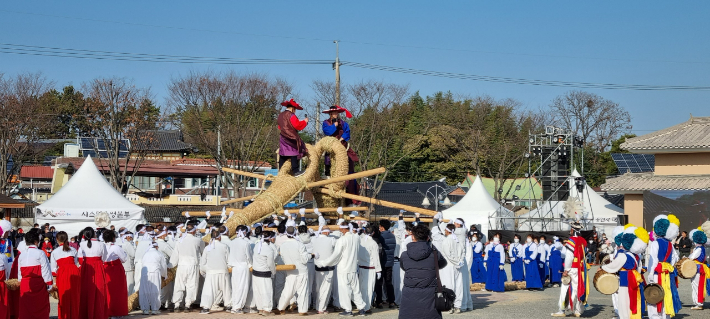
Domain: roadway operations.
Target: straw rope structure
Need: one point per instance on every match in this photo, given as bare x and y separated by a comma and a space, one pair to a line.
338, 167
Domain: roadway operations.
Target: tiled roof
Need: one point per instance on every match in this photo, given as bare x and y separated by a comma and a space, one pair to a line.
639, 182
40, 172
7, 202
693, 134
163, 140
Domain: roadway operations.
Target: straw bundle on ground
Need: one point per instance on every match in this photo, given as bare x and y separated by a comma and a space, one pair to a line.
12, 284
133, 302
509, 286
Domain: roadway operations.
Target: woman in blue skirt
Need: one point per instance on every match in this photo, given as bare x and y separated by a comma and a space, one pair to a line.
555, 261
495, 260
478, 271
515, 252
542, 258
532, 272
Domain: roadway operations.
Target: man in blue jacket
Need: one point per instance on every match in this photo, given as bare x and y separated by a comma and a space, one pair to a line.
387, 243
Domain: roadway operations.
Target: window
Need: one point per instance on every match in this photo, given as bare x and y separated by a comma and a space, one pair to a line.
250, 183
179, 182
144, 182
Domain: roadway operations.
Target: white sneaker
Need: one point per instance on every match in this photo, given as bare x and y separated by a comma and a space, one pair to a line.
156, 312
146, 312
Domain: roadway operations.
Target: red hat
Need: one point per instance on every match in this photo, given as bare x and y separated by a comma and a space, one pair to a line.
336, 108
291, 103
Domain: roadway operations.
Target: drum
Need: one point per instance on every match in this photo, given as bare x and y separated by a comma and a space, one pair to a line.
686, 268
605, 282
653, 293
566, 279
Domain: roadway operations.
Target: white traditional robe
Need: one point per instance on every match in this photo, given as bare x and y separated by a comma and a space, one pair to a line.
652, 255
294, 252
398, 274
153, 269
345, 256
141, 248
574, 277
240, 259
186, 257
368, 259
214, 265
622, 298
264, 260
280, 276
695, 282
466, 300
323, 247
129, 265
451, 274
166, 293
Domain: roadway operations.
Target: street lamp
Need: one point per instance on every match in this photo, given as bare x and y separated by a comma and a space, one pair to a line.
436, 196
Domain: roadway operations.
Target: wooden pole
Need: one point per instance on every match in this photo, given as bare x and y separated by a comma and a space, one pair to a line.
243, 173
406, 219
308, 210
318, 183
347, 177
237, 200
380, 202
331, 227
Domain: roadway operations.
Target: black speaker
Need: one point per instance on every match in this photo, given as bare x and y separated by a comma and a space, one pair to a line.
554, 173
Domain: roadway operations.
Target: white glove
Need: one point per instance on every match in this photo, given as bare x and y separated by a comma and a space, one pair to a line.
187, 214
340, 211
287, 213
379, 275
207, 213
439, 216
500, 267
316, 255
230, 214
542, 266
527, 262
302, 212
512, 260
484, 264
274, 216
315, 210
416, 214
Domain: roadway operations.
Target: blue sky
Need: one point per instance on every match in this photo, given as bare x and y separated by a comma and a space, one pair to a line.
624, 42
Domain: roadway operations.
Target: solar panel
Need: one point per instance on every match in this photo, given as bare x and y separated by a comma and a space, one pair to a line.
88, 149
634, 163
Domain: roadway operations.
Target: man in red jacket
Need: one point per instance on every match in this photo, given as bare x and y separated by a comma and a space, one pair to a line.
291, 147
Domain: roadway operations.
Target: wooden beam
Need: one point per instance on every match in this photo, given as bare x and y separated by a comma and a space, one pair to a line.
331, 227
237, 200
347, 177
380, 202
308, 210
248, 174
407, 219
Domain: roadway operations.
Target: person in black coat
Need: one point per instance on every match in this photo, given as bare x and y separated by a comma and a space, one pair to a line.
420, 281
387, 243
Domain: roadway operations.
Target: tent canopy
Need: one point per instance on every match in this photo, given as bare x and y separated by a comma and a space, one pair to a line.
88, 193
479, 208
602, 214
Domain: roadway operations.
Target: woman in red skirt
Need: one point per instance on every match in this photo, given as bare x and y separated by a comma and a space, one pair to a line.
6, 260
116, 285
64, 262
35, 280
93, 278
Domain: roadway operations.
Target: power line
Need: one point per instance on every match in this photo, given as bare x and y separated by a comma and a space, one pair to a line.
407, 46
139, 57
496, 79
19, 49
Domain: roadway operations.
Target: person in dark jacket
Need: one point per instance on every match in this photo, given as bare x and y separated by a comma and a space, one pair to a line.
388, 243
420, 280
684, 244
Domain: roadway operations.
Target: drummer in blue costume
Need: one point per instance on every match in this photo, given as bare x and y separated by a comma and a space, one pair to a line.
700, 283
532, 272
478, 271
515, 252
662, 258
495, 262
555, 262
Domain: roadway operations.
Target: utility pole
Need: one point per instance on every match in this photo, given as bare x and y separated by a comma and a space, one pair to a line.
336, 67
219, 158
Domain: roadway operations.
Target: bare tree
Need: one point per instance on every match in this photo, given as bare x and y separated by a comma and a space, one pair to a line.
242, 108
20, 121
597, 120
116, 111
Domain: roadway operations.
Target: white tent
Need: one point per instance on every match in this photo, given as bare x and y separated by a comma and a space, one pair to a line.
87, 193
477, 207
599, 211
